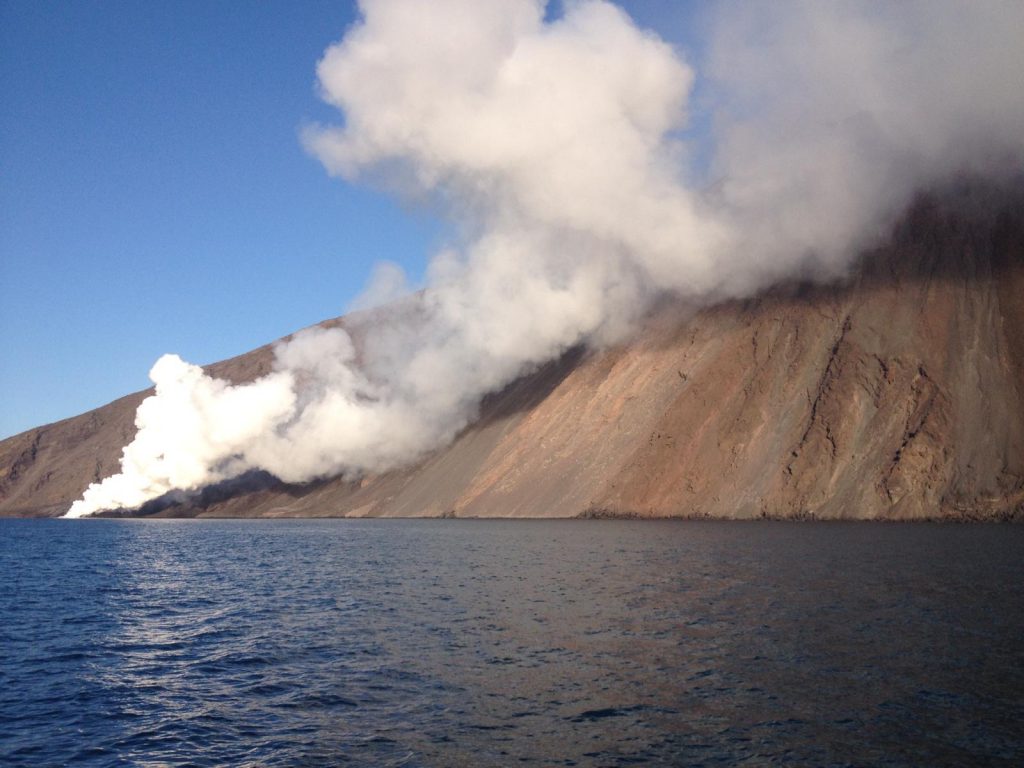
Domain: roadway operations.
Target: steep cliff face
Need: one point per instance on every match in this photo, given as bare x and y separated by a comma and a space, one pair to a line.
898, 394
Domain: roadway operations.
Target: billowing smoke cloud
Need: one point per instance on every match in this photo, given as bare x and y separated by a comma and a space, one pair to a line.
833, 114
559, 148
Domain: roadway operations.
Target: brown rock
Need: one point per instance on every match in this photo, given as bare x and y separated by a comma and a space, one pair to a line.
898, 394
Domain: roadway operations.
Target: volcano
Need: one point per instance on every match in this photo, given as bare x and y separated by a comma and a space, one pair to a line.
897, 393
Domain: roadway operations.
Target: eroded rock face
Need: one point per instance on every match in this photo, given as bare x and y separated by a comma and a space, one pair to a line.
899, 394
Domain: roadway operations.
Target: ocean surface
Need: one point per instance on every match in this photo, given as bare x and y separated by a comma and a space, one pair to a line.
476, 643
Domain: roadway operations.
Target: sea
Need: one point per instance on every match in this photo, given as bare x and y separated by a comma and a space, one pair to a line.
510, 643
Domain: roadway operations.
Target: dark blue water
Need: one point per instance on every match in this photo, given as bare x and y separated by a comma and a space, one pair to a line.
324, 643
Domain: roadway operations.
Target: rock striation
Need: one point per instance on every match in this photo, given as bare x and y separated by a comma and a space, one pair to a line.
897, 393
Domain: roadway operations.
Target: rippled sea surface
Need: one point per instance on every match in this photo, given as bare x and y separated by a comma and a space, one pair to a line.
448, 642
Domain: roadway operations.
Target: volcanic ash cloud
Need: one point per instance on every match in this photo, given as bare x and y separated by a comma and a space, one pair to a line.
557, 147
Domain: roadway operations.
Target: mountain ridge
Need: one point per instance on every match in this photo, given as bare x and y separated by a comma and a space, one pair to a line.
895, 394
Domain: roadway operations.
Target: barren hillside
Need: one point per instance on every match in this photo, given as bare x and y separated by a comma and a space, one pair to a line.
896, 394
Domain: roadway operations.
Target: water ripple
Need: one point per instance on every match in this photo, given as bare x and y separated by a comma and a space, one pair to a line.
420, 643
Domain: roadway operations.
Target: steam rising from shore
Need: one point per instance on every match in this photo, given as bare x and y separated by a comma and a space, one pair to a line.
559, 148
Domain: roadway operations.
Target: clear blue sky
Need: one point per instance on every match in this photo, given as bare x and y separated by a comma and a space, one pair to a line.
154, 195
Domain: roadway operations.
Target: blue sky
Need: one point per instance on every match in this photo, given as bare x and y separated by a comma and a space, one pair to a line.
154, 195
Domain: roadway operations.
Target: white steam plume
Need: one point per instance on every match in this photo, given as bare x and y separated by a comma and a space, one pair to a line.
832, 114
556, 147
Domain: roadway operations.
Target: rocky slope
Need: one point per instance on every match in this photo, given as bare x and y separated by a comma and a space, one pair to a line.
897, 394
